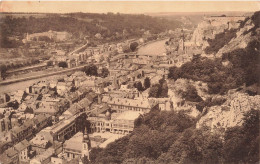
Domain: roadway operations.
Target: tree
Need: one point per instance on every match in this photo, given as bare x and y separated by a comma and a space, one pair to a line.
94, 153
49, 63
251, 122
154, 91
241, 143
133, 46
114, 152
63, 64
104, 72
159, 90
28, 110
147, 82
163, 91
192, 94
13, 104
3, 70
90, 70
139, 86
174, 73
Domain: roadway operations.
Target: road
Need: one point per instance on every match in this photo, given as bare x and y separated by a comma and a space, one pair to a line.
67, 70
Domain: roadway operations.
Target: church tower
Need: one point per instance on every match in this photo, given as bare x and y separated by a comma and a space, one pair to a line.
85, 145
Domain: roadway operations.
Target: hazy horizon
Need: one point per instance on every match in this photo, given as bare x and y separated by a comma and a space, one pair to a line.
126, 7
6, 12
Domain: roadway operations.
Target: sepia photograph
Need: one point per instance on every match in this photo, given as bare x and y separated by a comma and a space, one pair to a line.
129, 82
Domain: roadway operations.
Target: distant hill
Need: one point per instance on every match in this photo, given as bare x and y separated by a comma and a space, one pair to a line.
110, 26
193, 17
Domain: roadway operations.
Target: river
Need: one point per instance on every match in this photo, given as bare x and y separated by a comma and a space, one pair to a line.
20, 85
153, 48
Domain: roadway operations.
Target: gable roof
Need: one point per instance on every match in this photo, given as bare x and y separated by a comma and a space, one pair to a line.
21, 145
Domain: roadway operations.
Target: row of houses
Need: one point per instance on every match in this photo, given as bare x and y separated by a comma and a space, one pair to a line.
25, 131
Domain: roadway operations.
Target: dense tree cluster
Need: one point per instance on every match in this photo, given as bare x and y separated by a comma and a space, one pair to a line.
139, 86
149, 138
169, 137
186, 90
90, 70
63, 64
242, 142
5, 68
159, 90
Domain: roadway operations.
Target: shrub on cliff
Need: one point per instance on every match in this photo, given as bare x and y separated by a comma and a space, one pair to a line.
220, 41
242, 143
245, 69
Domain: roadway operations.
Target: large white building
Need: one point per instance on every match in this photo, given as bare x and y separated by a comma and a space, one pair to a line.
120, 123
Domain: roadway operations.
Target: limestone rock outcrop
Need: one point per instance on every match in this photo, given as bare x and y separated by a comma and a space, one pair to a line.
211, 26
230, 114
243, 37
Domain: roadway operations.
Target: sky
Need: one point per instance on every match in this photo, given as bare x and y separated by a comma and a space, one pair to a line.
127, 6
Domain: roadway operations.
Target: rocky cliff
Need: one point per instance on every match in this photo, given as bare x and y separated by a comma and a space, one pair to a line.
229, 114
211, 26
244, 35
